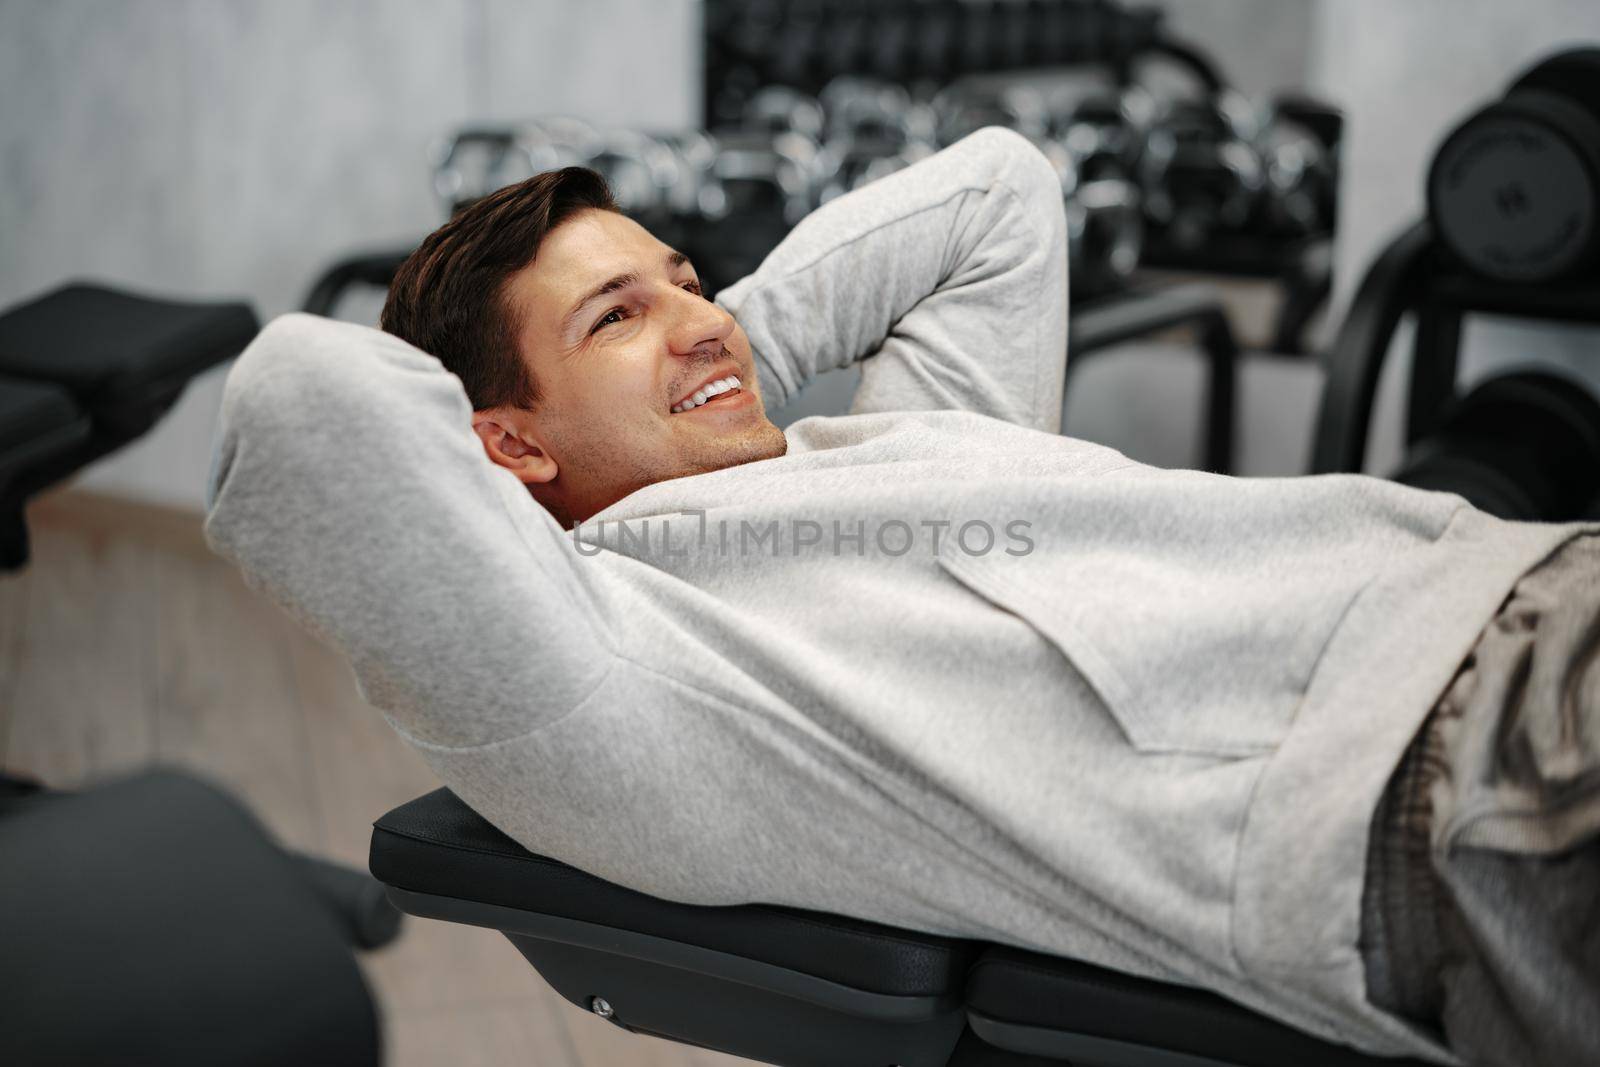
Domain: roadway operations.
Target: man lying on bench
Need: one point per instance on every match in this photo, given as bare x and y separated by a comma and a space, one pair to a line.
1328, 746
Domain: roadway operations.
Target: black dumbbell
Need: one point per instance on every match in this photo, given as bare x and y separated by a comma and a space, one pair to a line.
775, 109
858, 107
1105, 235
755, 174
642, 172
1522, 446
1104, 130
1199, 170
864, 159
1514, 191
1299, 145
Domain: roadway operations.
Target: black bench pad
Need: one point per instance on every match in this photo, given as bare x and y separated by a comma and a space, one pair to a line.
32, 412
1045, 993
108, 346
437, 845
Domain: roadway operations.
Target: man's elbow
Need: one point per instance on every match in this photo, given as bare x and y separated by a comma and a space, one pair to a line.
1018, 165
281, 387
270, 366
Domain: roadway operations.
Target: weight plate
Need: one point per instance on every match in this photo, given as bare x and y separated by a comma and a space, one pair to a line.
1513, 197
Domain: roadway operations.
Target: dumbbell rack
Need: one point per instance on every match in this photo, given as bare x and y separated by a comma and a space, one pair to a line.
1415, 275
929, 44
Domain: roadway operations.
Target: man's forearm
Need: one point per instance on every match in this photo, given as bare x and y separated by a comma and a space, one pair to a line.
980, 215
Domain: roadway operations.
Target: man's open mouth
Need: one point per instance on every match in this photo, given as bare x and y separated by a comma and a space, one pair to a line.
710, 393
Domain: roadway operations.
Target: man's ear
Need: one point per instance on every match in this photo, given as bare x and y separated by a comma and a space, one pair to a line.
509, 441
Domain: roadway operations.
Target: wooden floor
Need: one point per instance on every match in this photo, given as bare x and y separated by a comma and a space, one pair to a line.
125, 643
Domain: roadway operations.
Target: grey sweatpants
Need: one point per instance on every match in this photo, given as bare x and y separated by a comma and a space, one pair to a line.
1481, 909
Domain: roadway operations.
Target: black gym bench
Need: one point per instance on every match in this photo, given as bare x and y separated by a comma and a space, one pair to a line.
84, 370
805, 989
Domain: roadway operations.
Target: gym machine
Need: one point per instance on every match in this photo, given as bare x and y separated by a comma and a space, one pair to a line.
84, 370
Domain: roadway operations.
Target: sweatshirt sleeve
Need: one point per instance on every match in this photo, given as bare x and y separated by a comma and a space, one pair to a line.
348, 486
948, 279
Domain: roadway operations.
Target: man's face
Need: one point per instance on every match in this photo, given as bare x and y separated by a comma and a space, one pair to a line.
617, 333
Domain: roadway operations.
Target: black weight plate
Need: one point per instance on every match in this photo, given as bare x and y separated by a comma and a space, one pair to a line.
1515, 190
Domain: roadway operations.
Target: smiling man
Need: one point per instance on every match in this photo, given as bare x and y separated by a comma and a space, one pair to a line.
1327, 746
596, 369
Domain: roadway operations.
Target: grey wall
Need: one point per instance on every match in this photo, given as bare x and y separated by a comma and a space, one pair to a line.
234, 148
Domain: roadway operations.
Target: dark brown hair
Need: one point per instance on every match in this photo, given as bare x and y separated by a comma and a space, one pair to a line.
448, 297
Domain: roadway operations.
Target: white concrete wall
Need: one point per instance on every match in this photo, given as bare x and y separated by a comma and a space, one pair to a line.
234, 148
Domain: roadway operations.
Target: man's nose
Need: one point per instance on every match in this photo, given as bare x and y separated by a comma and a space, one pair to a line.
698, 323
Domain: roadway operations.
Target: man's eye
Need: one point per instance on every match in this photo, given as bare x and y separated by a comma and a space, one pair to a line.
693, 287
613, 316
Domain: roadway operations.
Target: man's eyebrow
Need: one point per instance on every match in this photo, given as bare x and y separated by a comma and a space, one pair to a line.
605, 288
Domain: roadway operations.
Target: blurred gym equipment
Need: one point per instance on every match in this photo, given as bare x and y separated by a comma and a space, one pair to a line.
1522, 446
1514, 191
151, 921
84, 370
1502, 238
1199, 170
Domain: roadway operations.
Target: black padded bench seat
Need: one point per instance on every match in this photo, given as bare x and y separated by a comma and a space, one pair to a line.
36, 419
438, 845
119, 354
1071, 1011
40, 428
152, 920
729, 978
802, 988
84, 370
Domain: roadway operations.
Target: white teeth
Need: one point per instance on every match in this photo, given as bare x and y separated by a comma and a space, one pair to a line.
706, 392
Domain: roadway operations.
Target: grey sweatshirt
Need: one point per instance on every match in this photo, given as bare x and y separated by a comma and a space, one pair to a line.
938, 666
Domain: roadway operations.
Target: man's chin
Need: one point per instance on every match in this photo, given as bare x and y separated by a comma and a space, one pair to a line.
763, 442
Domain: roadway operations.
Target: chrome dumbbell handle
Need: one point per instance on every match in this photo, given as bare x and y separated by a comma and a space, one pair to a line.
788, 166
1105, 226
1199, 169
857, 108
